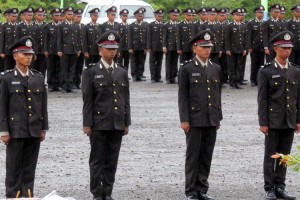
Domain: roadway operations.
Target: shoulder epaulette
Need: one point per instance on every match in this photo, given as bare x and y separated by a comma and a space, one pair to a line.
90, 65
6, 72
293, 64
119, 65
266, 65
36, 71
186, 62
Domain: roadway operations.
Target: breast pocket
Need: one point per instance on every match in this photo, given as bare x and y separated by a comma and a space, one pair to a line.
37, 93
17, 90
101, 86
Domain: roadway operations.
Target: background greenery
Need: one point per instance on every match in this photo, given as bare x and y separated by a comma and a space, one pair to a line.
165, 4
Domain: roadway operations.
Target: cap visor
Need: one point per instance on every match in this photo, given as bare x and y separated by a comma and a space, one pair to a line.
25, 51
285, 45
109, 46
205, 45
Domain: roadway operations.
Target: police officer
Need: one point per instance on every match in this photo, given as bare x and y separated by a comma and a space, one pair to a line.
110, 24
199, 25
68, 47
170, 46
279, 112
235, 49
137, 44
106, 114
123, 58
281, 16
199, 100
24, 119
7, 38
50, 49
184, 35
294, 27
80, 58
155, 46
255, 44
271, 27
40, 62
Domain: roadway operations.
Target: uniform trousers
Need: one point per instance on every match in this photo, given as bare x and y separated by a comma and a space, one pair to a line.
40, 63
235, 62
104, 155
53, 71
155, 63
137, 62
277, 141
224, 67
200, 143
21, 161
123, 59
171, 65
2, 67
79, 68
257, 60
68, 68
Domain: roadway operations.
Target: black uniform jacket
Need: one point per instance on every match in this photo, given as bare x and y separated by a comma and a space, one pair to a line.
90, 34
270, 29
235, 38
7, 37
69, 41
106, 104
278, 96
199, 95
155, 36
184, 35
254, 38
170, 36
51, 36
23, 107
294, 27
137, 36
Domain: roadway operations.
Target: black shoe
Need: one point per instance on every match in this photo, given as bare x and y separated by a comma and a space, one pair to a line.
143, 76
153, 81
270, 195
253, 84
137, 79
232, 86
158, 81
241, 83
168, 81
238, 87
108, 198
281, 193
54, 89
206, 197
97, 198
192, 197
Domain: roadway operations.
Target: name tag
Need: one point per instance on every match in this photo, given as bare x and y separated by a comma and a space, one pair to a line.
234, 29
99, 76
276, 76
196, 74
15, 83
51, 29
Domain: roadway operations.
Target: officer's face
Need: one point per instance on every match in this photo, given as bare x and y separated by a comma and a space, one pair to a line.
222, 18
55, 18
174, 17
296, 13
281, 15
202, 52
69, 17
274, 14
212, 17
12, 18
108, 54
158, 18
77, 19
61, 18
203, 17
139, 17
259, 15
23, 59
283, 52
94, 17
28, 17
111, 16
124, 18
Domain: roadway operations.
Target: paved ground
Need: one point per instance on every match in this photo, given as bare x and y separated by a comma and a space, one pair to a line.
151, 165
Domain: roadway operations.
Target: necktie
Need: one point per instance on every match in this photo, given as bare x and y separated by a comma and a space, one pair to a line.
204, 66
110, 71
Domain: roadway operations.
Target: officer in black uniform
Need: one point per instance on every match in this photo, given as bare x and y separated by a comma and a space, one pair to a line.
155, 46
50, 49
24, 119
123, 58
235, 49
199, 25
281, 16
40, 62
170, 46
68, 47
80, 58
271, 27
110, 24
137, 44
7, 38
106, 114
294, 27
184, 35
278, 112
91, 33
223, 60
199, 100
254, 43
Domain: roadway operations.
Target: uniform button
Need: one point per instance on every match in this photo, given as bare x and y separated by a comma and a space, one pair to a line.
116, 108
276, 83
29, 99
209, 96
17, 90
98, 113
29, 91
288, 97
287, 81
115, 92
287, 90
12, 118
100, 84
114, 84
29, 107
208, 89
30, 115
207, 81
196, 81
271, 109
209, 104
193, 108
116, 100
288, 105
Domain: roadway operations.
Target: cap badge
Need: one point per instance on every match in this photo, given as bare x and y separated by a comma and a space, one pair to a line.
277, 6
189, 10
29, 9
261, 8
175, 10
96, 11
14, 10
56, 10
160, 11
40, 9
204, 10
79, 11
213, 9
70, 8
140, 11
222, 10
28, 43
239, 10
287, 36
111, 37
207, 36
298, 7
113, 8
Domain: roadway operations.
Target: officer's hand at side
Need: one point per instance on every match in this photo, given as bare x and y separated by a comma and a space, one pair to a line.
165, 50
2, 55
5, 139
126, 130
250, 50
244, 53
46, 54
267, 51
43, 136
148, 50
264, 129
185, 126
87, 130
59, 54
220, 54
130, 51
78, 53
179, 52
228, 53
86, 55
34, 58
298, 128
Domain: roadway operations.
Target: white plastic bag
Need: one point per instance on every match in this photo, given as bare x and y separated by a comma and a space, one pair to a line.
54, 196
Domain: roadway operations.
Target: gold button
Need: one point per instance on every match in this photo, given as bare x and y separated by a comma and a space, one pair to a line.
30, 115
115, 92
116, 100
98, 113
193, 108
29, 107
288, 105
209, 96
17, 90
208, 89
29, 99
116, 108
287, 89
196, 81
100, 84
207, 81
271, 109
114, 84
29, 90
37, 90
12, 118
276, 83
287, 81
288, 97
209, 104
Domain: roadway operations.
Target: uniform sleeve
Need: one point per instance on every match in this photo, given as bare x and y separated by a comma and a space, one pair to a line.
165, 36
149, 36
130, 37
298, 104
262, 98
220, 86
178, 33
127, 103
183, 94
84, 39
88, 98
228, 38
1, 39
4, 99
265, 35
46, 39
249, 36
59, 38
18, 32
45, 123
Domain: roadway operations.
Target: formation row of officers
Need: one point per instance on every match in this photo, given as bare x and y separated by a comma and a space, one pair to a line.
63, 45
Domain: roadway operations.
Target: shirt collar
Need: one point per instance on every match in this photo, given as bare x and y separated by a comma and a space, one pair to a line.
201, 62
106, 65
27, 72
257, 20
136, 22
286, 66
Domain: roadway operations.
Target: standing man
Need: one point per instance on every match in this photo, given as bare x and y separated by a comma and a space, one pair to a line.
294, 27
91, 33
24, 119
281, 16
235, 49
278, 112
110, 25
137, 44
106, 115
184, 35
8, 37
254, 43
170, 46
123, 58
199, 100
68, 47
50, 49
198, 26
155, 46
271, 27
